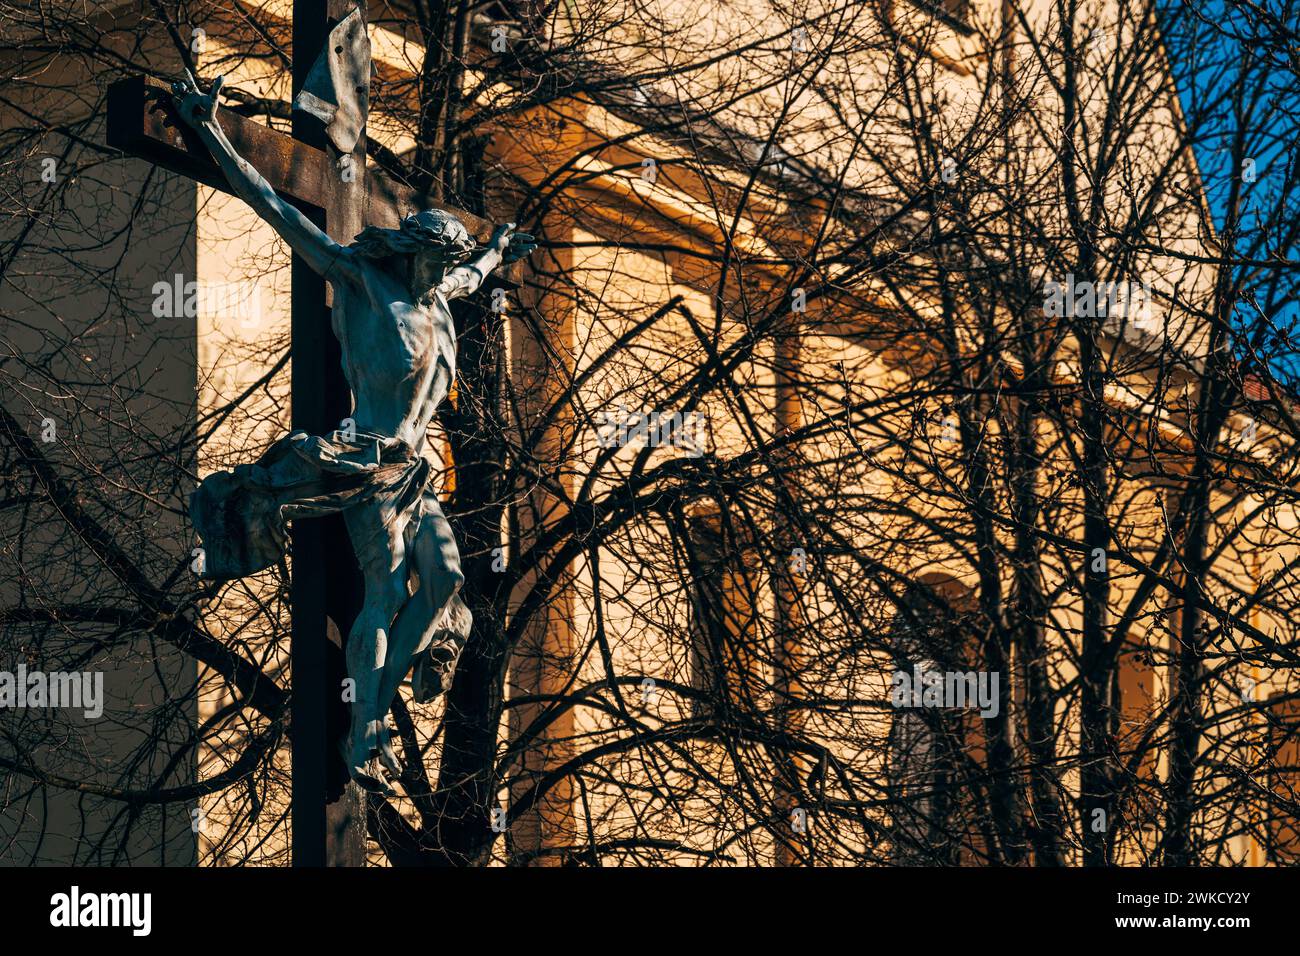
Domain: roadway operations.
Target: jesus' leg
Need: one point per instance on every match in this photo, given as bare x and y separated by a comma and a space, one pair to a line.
432, 549
381, 552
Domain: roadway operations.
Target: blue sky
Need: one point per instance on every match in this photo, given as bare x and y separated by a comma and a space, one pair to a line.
1239, 92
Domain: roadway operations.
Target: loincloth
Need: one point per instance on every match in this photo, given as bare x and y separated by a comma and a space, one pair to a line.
241, 515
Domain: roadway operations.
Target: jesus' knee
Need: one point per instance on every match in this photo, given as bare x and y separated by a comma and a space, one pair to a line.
366, 644
440, 575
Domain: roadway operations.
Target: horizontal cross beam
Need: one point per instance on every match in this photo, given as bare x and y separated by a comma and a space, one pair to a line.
142, 122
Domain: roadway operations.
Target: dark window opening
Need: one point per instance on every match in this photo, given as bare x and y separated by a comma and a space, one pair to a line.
726, 666
937, 755
955, 13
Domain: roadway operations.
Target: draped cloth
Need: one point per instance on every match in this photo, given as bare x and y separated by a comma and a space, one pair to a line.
241, 515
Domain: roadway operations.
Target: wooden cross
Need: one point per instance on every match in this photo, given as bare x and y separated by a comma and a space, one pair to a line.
327, 810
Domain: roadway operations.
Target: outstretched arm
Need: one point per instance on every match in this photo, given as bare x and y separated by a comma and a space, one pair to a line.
505, 246
323, 254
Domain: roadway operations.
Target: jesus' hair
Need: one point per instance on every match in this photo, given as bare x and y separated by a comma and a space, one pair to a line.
414, 234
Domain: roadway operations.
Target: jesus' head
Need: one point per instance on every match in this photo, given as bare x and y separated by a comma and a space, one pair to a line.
423, 247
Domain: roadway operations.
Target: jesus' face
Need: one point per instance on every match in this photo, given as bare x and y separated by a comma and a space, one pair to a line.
427, 268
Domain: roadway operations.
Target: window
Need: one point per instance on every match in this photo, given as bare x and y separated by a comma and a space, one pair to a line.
937, 754
1134, 695
1133, 707
1283, 820
725, 663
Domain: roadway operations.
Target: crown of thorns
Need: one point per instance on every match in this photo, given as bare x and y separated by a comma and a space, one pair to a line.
430, 229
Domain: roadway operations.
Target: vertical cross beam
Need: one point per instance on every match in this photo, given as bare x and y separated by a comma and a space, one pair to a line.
327, 809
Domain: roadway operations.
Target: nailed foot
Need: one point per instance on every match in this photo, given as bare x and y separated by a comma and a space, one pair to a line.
370, 754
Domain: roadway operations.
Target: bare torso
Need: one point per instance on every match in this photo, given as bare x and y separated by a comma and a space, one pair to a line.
399, 357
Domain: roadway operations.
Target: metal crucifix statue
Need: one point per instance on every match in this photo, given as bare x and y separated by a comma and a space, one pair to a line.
392, 318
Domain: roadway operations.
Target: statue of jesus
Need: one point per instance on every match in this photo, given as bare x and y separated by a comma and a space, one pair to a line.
392, 318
